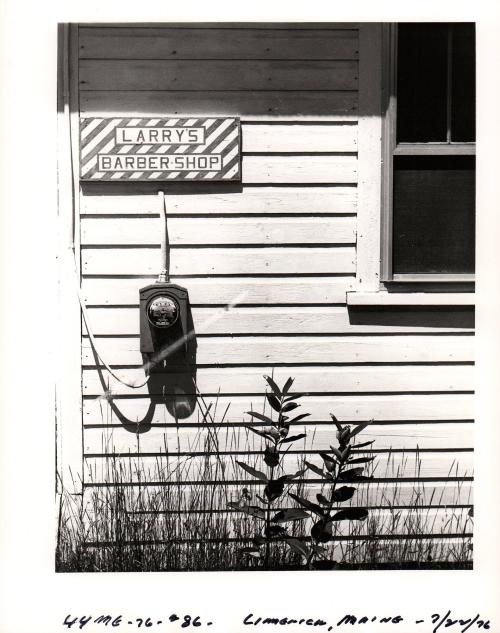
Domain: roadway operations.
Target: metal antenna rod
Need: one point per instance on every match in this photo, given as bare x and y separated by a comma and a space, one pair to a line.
164, 275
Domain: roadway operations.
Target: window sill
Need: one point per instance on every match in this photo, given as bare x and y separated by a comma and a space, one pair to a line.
410, 298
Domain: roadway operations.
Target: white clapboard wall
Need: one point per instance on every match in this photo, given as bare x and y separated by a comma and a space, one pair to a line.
282, 248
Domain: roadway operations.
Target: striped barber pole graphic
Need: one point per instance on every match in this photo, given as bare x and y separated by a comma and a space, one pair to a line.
206, 148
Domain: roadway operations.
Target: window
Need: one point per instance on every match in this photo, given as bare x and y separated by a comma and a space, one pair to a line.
428, 200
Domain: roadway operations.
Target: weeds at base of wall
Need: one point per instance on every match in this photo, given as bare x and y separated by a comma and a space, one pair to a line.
178, 527
124, 531
189, 519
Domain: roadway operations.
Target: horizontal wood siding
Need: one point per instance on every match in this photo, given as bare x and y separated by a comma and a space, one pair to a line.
211, 232
260, 105
221, 261
215, 350
267, 264
310, 380
431, 522
223, 290
218, 43
436, 465
310, 200
203, 75
382, 493
289, 320
117, 440
346, 407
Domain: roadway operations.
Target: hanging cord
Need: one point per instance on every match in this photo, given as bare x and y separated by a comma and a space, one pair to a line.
83, 307
164, 276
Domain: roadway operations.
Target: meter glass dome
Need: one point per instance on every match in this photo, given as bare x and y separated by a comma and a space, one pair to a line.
163, 311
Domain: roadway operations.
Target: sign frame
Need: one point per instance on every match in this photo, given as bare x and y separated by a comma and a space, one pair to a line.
160, 149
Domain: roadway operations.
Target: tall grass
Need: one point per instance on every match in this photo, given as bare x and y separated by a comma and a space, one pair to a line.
397, 532
174, 514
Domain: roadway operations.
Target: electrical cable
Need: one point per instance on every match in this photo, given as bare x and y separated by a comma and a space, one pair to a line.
86, 320
163, 276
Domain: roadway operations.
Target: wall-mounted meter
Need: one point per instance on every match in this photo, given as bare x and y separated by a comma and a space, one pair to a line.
165, 325
163, 311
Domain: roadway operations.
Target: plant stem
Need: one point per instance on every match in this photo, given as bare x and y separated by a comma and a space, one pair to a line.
311, 557
267, 550
268, 525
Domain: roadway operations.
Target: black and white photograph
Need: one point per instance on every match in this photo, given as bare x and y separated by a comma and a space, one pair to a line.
249, 323
266, 276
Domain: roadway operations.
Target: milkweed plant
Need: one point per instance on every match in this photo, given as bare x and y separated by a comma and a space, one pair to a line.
276, 441
341, 465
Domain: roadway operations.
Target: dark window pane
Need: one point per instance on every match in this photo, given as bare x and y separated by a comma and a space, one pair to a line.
463, 93
421, 82
433, 214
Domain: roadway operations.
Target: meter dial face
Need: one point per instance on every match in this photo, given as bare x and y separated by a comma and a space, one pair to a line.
163, 311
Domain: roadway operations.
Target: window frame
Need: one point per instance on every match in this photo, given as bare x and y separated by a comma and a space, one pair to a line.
391, 148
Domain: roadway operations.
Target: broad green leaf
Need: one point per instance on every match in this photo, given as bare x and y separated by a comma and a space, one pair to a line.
273, 386
337, 423
290, 406
261, 416
283, 432
361, 460
271, 456
351, 514
359, 478
348, 474
360, 427
344, 493
329, 461
273, 432
336, 452
322, 499
286, 478
293, 438
299, 417
291, 514
326, 457
253, 511
267, 436
287, 385
274, 489
363, 444
274, 402
275, 531
322, 531
295, 396
298, 546
344, 435
252, 471
313, 507
345, 453
315, 469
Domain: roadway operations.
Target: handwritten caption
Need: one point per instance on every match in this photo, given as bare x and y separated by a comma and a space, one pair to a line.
433, 622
